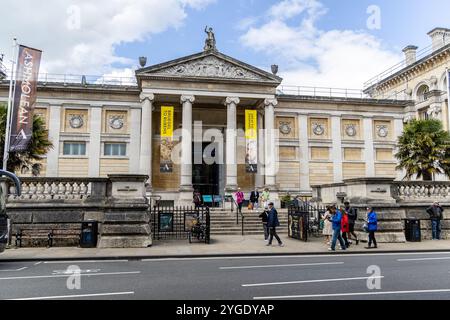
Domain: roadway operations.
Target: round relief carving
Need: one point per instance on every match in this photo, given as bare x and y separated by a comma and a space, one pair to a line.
318, 129
76, 121
382, 131
350, 130
116, 122
285, 128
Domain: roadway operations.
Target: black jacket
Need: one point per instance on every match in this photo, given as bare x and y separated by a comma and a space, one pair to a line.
254, 196
264, 217
436, 213
352, 214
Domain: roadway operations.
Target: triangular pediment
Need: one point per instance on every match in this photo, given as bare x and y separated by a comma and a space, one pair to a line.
209, 65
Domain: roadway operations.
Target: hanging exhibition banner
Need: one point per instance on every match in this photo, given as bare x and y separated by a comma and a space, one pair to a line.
167, 144
24, 100
251, 138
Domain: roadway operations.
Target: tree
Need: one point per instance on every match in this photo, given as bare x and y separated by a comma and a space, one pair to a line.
37, 148
424, 150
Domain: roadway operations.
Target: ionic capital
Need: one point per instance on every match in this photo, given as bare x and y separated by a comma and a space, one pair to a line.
187, 98
232, 100
147, 96
271, 102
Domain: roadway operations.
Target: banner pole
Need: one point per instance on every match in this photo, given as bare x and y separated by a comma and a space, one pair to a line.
10, 101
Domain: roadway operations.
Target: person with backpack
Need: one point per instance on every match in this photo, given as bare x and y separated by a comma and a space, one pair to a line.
371, 227
352, 218
272, 224
337, 225
436, 213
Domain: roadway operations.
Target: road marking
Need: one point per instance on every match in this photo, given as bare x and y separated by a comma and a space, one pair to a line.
65, 276
68, 272
424, 259
308, 281
78, 296
296, 256
38, 263
84, 261
15, 270
282, 265
352, 294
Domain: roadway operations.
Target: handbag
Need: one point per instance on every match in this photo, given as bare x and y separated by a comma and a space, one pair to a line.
366, 227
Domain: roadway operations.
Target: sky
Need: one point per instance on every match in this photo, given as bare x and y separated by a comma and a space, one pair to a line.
327, 43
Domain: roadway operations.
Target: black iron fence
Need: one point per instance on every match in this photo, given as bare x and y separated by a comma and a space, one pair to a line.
305, 221
177, 223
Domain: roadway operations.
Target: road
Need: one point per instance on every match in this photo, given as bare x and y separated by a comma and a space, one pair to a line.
390, 276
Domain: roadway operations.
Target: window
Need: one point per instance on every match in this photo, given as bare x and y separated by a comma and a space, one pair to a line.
422, 93
116, 149
74, 149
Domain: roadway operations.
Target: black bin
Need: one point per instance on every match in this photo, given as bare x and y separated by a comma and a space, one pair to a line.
89, 234
412, 230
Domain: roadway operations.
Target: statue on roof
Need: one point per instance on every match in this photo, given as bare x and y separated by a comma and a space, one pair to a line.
210, 42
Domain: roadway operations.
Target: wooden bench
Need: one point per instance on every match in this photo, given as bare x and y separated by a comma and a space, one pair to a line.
49, 234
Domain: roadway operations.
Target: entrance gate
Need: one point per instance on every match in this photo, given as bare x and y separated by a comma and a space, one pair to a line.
304, 221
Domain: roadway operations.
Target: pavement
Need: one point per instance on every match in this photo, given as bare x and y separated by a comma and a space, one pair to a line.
220, 246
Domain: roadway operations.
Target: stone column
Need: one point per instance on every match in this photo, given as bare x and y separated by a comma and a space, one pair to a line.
369, 153
259, 181
337, 149
398, 131
135, 140
304, 154
271, 150
94, 140
145, 161
186, 189
231, 136
54, 129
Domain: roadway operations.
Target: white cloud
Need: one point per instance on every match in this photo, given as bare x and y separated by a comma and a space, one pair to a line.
81, 36
309, 56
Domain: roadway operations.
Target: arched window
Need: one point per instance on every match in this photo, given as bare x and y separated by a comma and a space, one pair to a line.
422, 93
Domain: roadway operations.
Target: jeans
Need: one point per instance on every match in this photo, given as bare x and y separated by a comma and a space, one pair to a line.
372, 239
345, 238
436, 229
273, 233
337, 236
266, 231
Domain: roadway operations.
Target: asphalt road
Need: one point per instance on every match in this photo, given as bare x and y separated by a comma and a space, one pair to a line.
390, 276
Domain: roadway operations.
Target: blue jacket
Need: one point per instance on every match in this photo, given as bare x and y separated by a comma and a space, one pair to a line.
272, 219
372, 222
337, 218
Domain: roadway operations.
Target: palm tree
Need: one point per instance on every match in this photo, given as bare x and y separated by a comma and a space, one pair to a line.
37, 148
424, 150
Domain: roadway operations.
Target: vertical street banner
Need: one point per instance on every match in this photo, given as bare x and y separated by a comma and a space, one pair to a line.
25, 94
251, 138
448, 98
167, 144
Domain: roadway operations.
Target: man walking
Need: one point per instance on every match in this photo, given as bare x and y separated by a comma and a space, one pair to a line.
436, 213
272, 224
336, 220
254, 196
352, 217
264, 219
372, 227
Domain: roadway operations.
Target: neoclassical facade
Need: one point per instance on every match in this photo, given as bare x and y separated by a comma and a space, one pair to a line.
303, 139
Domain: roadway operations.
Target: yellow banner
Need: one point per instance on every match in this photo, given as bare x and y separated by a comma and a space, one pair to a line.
167, 122
251, 125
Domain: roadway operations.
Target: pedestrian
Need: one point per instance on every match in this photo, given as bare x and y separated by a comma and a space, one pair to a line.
265, 197
254, 196
352, 218
345, 227
436, 213
372, 227
264, 218
327, 226
197, 199
239, 199
336, 220
272, 224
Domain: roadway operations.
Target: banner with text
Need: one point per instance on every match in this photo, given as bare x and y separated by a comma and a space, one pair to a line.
251, 138
448, 98
24, 100
167, 144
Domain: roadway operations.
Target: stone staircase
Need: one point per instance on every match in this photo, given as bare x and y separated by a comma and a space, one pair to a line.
223, 222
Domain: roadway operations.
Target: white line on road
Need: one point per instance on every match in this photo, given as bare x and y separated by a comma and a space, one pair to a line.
65, 276
424, 259
15, 270
352, 294
38, 263
282, 265
78, 296
309, 281
84, 261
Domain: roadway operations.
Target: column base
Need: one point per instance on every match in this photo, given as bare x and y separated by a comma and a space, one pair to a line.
186, 196
231, 189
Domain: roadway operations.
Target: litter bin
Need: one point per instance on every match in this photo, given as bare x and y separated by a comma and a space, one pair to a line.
89, 234
412, 230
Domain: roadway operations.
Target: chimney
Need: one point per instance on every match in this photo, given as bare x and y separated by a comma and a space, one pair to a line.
410, 54
439, 37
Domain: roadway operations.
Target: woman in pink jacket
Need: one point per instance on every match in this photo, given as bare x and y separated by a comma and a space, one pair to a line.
239, 199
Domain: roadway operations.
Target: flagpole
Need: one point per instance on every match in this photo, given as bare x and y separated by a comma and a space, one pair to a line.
10, 107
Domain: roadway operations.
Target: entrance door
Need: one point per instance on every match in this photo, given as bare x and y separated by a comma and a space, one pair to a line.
205, 177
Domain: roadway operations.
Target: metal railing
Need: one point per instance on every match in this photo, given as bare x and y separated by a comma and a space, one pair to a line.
401, 65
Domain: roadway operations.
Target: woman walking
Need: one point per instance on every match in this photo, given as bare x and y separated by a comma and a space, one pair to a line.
239, 199
327, 226
372, 227
345, 227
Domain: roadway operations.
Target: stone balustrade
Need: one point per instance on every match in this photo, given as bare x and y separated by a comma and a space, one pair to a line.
423, 191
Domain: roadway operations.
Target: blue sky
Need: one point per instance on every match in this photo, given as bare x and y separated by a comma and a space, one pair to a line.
315, 42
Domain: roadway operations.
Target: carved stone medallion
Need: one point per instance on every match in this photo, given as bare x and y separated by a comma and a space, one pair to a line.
318, 129
382, 131
350, 130
76, 121
285, 128
116, 122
